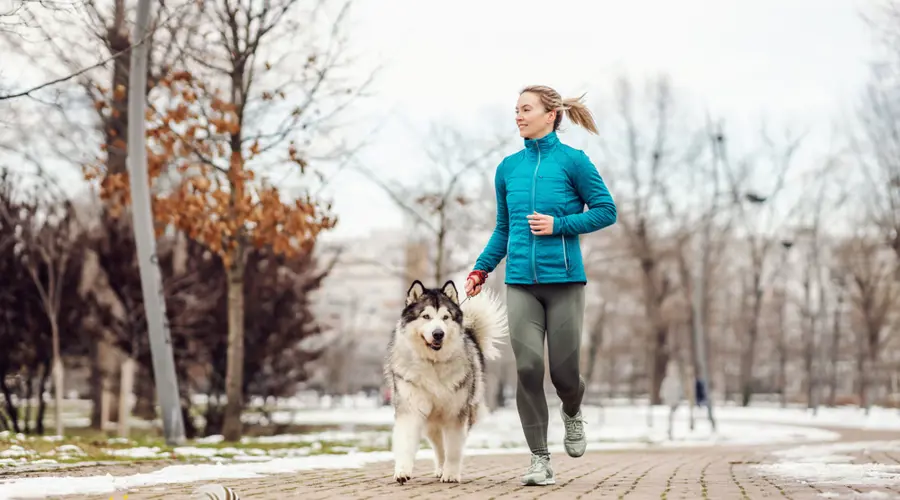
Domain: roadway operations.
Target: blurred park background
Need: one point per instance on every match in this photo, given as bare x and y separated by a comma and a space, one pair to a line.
308, 159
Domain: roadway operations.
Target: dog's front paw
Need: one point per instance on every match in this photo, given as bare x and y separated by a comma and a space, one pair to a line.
402, 474
438, 471
451, 475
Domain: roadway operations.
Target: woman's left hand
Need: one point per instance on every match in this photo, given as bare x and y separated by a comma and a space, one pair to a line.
541, 225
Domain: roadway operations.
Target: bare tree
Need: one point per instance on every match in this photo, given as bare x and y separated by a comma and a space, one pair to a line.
86, 58
647, 168
869, 268
46, 237
17, 15
447, 203
758, 226
877, 146
819, 205
284, 85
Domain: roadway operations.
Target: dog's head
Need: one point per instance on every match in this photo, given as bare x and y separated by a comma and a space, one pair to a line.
432, 316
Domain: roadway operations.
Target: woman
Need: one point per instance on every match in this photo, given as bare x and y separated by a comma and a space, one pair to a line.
541, 194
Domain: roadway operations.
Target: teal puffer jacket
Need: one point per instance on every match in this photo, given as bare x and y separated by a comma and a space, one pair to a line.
551, 178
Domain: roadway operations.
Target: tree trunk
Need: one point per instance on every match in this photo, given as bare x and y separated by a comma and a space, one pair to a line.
96, 383
752, 334
660, 363
57, 375
861, 377
145, 395
835, 348
213, 416
871, 376
11, 409
234, 377
809, 337
29, 394
611, 377
42, 404
782, 351
116, 130
126, 392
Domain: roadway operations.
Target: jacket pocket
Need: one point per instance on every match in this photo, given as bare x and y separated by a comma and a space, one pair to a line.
565, 252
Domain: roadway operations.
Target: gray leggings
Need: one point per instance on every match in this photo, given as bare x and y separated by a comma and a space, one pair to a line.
558, 310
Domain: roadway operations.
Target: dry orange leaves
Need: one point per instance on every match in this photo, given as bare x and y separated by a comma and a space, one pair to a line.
204, 188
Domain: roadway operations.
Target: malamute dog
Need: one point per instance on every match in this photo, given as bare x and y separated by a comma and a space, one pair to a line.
435, 370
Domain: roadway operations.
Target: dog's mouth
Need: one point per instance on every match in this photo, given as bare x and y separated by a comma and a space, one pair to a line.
435, 345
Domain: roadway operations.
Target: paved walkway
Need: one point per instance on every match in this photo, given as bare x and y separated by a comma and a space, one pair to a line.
690, 474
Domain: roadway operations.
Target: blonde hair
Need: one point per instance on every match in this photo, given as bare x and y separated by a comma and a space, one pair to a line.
577, 112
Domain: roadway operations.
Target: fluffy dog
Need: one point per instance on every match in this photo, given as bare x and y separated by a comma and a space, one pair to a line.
435, 370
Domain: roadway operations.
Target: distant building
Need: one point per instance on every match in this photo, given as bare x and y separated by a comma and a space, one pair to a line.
358, 305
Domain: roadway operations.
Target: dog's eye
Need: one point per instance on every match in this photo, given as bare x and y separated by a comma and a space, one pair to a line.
426, 316
445, 317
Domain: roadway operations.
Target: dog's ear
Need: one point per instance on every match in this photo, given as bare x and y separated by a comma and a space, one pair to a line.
416, 290
449, 290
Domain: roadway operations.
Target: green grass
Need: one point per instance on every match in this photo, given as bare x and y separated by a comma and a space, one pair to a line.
93, 446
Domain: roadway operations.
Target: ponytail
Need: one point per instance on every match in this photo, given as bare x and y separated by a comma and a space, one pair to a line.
579, 114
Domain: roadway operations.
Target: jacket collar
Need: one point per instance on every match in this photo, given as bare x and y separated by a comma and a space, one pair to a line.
543, 144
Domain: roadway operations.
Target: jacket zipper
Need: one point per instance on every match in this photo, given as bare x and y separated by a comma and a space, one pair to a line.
565, 253
533, 191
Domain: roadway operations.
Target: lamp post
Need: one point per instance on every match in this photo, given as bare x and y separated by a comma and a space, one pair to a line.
151, 280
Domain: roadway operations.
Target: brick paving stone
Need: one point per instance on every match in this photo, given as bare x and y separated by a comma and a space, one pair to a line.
668, 474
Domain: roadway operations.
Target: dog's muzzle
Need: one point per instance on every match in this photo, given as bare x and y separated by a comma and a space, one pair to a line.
438, 340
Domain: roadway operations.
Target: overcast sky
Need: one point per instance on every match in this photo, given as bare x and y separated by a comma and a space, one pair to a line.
792, 61
801, 62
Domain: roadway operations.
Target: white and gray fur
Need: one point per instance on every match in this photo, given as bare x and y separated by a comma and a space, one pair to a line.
435, 371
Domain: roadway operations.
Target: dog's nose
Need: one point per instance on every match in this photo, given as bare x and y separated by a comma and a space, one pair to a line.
438, 334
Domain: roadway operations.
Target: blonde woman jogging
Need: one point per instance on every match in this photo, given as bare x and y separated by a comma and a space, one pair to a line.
542, 192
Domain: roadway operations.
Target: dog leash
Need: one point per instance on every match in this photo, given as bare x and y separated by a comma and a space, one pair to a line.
465, 299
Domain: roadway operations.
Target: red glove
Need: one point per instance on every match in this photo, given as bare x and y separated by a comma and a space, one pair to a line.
474, 282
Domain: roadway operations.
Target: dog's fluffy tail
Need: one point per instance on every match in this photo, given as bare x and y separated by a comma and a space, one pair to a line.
485, 315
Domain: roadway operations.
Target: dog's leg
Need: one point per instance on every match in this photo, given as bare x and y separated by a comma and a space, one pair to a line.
455, 434
405, 444
435, 434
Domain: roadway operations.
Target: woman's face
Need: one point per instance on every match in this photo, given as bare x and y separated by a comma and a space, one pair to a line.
531, 118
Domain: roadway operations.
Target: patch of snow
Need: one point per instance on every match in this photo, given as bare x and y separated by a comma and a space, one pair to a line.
70, 449
192, 451
40, 487
213, 439
138, 452
832, 464
17, 451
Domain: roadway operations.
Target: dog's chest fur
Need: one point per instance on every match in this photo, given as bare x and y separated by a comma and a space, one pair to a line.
440, 387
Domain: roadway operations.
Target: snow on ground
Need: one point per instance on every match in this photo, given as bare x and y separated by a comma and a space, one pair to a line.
41, 487
615, 426
610, 428
368, 411
836, 463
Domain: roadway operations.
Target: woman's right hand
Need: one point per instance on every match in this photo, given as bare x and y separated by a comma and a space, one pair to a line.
474, 283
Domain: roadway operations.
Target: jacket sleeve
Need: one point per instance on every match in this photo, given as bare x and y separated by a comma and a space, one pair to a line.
496, 247
592, 190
